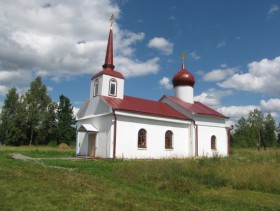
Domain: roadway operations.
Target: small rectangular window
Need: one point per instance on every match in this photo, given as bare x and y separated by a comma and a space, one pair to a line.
113, 89
95, 88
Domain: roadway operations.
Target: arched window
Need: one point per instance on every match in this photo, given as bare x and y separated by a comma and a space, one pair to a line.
113, 87
168, 140
95, 88
213, 142
142, 138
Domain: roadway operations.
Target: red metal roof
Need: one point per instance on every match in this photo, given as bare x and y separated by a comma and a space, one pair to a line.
197, 107
110, 72
143, 106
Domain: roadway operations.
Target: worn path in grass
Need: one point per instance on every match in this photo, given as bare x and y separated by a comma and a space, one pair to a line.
18, 156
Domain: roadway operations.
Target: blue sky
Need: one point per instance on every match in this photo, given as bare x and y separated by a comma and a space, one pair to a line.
232, 48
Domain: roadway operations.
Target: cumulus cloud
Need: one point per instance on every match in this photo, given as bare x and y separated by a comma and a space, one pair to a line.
161, 44
212, 97
3, 89
219, 74
236, 112
262, 76
63, 39
195, 56
273, 9
131, 68
165, 83
270, 105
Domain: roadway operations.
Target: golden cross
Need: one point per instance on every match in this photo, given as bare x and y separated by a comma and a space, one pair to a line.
112, 20
183, 56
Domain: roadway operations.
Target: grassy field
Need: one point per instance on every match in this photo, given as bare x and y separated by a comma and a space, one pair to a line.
248, 180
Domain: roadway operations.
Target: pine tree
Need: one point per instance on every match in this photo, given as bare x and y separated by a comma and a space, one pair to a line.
12, 122
65, 132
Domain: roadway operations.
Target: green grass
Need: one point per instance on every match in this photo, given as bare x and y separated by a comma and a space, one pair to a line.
248, 180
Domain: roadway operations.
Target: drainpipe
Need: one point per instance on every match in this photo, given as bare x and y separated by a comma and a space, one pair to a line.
196, 138
228, 135
87, 146
115, 134
77, 144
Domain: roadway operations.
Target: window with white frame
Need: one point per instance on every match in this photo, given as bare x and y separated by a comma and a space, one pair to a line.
142, 138
213, 142
168, 140
95, 88
113, 87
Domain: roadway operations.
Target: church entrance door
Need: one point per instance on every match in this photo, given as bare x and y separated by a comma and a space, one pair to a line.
91, 145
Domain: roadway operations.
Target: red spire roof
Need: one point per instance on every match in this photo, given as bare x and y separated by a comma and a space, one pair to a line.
109, 59
183, 78
108, 66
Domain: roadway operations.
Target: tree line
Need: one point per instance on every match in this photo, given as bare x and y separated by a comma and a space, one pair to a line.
256, 131
33, 118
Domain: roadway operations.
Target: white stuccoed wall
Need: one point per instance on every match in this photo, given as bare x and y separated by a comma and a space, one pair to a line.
208, 127
103, 138
127, 138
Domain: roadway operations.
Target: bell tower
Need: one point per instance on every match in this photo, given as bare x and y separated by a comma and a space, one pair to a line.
108, 82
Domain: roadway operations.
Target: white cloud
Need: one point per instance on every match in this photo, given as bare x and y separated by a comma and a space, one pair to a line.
219, 74
212, 97
3, 89
17, 77
165, 83
162, 45
49, 89
195, 56
132, 68
273, 9
54, 40
270, 105
236, 112
262, 76
221, 44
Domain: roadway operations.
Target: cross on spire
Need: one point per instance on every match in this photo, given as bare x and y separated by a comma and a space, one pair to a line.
112, 20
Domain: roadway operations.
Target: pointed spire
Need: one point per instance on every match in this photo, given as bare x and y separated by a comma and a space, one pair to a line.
108, 66
109, 62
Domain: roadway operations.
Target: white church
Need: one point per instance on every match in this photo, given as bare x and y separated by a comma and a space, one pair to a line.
113, 125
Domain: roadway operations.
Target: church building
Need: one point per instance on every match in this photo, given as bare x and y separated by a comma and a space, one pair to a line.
113, 125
